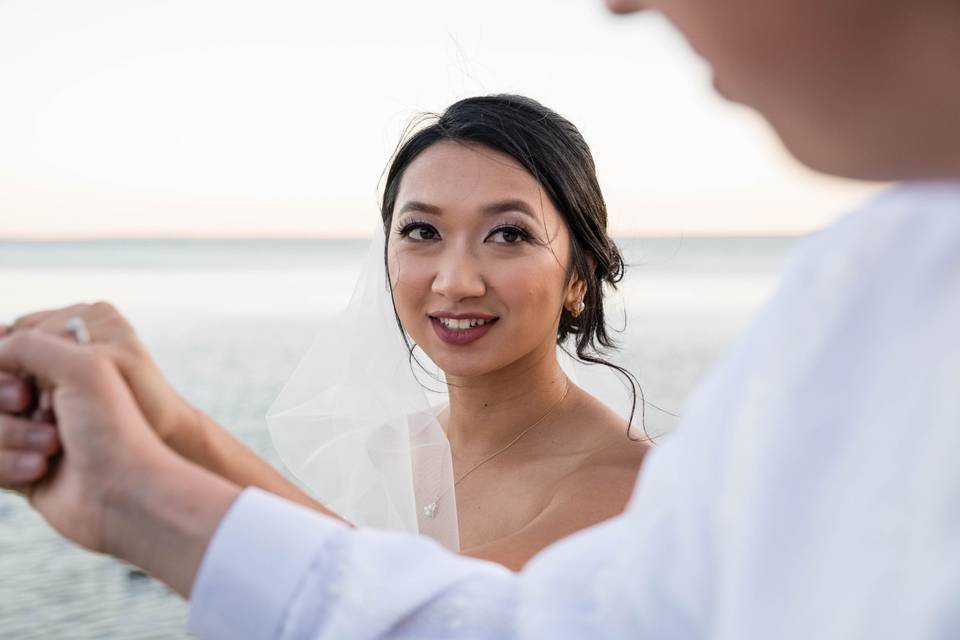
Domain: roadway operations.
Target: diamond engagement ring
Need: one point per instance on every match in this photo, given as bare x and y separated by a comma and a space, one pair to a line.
77, 328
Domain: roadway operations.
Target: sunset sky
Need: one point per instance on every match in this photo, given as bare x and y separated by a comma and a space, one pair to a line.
252, 118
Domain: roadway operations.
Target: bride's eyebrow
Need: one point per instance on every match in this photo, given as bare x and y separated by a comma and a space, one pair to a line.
420, 207
510, 205
501, 206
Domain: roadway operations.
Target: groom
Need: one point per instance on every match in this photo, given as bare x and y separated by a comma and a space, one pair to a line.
812, 490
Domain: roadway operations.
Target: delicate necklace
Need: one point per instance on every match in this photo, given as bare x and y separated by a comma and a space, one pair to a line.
431, 509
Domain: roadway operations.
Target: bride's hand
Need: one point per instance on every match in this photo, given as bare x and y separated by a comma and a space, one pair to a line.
25, 445
172, 417
94, 419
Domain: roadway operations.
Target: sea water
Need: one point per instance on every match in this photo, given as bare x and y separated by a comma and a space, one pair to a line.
228, 321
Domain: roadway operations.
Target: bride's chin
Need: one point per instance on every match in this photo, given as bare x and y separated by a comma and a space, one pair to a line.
462, 367
463, 370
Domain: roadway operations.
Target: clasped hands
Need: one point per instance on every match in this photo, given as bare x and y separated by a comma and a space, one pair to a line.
96, 463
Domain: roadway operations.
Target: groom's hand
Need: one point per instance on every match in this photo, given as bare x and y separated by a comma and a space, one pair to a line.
105, 438
116, 489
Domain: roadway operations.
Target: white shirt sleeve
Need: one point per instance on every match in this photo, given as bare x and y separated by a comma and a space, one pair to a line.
277, 570
812, 490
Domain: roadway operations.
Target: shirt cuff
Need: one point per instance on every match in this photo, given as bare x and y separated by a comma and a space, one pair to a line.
254, 564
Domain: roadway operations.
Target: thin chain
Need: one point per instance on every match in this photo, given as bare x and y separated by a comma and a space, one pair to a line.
517, 438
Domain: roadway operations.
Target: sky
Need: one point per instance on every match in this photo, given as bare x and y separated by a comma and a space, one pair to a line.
240, 118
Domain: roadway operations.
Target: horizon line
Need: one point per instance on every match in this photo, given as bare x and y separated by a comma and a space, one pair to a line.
348, 237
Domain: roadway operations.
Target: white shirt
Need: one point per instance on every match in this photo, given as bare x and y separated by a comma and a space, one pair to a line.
811, 492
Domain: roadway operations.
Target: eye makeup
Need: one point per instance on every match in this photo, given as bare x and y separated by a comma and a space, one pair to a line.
405, 228
409, 228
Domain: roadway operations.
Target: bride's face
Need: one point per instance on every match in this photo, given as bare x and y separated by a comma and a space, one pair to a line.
478, 260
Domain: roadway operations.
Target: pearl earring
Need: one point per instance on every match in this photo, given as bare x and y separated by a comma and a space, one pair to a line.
578, 309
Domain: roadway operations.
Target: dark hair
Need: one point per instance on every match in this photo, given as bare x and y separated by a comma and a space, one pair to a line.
552, 150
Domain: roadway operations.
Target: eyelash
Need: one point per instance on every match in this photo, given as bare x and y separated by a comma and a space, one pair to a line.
522, 232
405, 229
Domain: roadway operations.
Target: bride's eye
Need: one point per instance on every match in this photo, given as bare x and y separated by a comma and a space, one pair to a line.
419, 232
509, 234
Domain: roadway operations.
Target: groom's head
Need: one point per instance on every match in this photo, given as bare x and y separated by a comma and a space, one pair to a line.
860, 88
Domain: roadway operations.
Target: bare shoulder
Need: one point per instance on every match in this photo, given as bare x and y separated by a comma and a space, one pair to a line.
597, 486
625, 455
614, 444
611, 461
614, 465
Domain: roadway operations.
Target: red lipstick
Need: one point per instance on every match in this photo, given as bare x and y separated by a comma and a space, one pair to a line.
460, 336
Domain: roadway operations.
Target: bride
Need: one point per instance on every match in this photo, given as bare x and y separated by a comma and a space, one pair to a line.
445, 400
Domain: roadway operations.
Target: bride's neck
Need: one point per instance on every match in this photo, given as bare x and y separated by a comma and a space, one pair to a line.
487, 412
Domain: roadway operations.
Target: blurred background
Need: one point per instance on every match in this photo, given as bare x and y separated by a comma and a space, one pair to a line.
212, 168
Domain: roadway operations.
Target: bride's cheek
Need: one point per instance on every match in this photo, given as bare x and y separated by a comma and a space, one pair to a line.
410, 298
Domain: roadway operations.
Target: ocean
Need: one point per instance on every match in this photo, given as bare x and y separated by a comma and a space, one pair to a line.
228, 320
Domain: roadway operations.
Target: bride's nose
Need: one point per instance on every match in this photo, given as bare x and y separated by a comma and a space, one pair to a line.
458, 275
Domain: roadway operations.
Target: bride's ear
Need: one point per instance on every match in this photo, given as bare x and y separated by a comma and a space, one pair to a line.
577, 285
576, 292
577, 289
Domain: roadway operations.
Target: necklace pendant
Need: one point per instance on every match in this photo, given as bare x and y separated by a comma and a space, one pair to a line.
431, 509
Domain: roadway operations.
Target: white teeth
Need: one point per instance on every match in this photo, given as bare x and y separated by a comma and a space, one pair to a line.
461, 325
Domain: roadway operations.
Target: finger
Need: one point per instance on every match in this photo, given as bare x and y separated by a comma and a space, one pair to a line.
21, 467
32, 320
48, 358
109, 331
27, 435
15, 394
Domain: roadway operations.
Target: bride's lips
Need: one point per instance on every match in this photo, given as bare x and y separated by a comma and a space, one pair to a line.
461, 336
